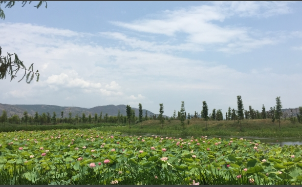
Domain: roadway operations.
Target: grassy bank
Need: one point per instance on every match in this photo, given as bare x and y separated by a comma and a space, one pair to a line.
197, 127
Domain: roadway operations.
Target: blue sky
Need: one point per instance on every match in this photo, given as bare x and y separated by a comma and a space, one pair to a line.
100, 53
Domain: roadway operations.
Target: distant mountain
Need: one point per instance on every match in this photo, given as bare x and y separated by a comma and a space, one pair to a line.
111, 110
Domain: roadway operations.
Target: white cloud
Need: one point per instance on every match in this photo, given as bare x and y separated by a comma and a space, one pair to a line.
201, 28
139, 97
254, 8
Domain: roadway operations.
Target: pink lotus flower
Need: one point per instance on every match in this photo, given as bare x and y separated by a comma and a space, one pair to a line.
43, 154
20, 148
111, 136
112, 150
41, 148
164, 149
106, 161
114, 182
194, 156
164, 159
79, 159
245, 169
141, 151
208, 149
155, 177
263, 160
92, 165
216, 143
228, 165
293, 156
251, 180
84, 147
198, 144
76, 148
92, 150
197, 183
99, 163
238, 176
31, 156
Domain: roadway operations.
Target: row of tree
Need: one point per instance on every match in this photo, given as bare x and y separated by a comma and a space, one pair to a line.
232, 114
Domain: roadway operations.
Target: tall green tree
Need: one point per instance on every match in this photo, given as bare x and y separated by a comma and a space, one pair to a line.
174, 114
62, 114
106, 118
278, 111
54, 119
118, 116
101, 115
36, 117
213, 116
272, 113
77, 118
48, 117
83, 117
263, 112
229, 113
4, 116
95, 118
129, 113
204, 112
219, 115
299, 116
25, 116
161, 111
140, 113
182, 114
233, 115
89, 118
240, 108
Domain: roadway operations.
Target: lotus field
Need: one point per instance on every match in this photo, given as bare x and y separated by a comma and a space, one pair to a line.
94, 157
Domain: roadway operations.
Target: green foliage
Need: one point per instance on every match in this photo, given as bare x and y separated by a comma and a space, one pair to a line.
182, 114
204, 112
263, 112
240, 108
161, 111
278, 112
140, 112
3, 117
213, 117
129, 113
219, 115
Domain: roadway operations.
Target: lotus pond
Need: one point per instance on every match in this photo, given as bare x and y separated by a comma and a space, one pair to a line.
91, 156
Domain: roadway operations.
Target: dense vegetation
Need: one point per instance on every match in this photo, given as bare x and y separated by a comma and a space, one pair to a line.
92, 157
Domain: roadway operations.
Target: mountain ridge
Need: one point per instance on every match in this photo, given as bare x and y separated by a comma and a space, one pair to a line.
111, 110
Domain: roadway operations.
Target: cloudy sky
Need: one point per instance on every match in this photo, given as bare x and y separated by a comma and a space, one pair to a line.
99, 53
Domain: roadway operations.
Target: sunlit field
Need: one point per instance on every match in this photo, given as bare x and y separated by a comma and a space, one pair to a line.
91, 156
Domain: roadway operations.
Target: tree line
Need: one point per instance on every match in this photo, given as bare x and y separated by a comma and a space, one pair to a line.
240, 114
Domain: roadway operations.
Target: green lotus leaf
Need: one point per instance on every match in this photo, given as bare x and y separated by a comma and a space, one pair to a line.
251, 163
232, 158
297, 159
234, 165
279, 166
153, 158
288, 163
142, 155
299, 165
3, 160
182, 167
132, 161
188, 160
